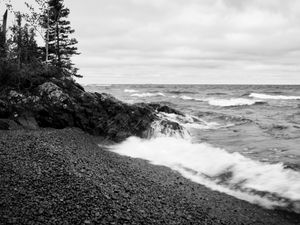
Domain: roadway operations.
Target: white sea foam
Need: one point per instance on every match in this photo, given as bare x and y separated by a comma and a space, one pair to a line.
159, 130
130, 91
279, 97
147, 94
233, 102
102, 85
219, 170
193, 122
185, 97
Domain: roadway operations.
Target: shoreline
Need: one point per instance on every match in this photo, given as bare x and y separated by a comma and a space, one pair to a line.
62, 176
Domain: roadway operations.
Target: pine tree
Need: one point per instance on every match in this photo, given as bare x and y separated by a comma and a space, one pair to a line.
24, 49
61, 46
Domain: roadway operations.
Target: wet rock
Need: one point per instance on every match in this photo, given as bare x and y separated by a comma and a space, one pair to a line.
165, 109
165, 127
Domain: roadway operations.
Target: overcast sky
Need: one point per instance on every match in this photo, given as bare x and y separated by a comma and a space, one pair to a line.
187, 41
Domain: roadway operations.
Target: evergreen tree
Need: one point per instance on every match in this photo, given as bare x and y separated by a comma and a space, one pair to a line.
60, 46
24, 49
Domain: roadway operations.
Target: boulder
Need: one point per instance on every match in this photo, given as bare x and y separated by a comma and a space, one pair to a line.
8, 124
16, 97
165, 109
164, 127
53, 93
27, 122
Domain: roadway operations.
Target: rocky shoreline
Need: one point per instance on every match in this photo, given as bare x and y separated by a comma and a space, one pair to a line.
62, 176
64, 103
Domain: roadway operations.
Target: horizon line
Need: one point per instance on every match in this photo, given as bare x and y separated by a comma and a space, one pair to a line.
182, 84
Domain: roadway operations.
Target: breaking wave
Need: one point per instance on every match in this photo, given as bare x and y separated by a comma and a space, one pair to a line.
269, 185
143, 95
192, 122
234, 102
182, 92
130, 91
265, 184
185, 97
275, 97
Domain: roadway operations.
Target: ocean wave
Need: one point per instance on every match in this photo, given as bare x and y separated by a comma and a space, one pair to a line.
275, 97
193, 122
147, 94
130, 91
102, 85
224, 120
182, 92
185, 97
216, 93
269, 185
233, 102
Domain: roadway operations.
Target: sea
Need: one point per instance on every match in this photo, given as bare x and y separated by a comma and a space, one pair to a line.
242, 140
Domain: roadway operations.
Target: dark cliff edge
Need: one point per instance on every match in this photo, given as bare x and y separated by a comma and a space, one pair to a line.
64, 103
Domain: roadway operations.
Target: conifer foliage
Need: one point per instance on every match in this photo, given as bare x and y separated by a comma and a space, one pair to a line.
23, 46
61, 46
24, 64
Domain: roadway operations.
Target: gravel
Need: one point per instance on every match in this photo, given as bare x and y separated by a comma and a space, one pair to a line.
51, 176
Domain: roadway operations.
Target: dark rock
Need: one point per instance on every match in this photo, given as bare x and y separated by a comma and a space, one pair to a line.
165, 109
63, 103
54, 93
27, 122
166, 128
4, 125
7, 124
4, 113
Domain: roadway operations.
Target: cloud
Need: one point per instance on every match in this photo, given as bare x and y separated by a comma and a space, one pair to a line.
196, 40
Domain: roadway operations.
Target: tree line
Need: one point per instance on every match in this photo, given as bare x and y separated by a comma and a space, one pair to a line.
23, 63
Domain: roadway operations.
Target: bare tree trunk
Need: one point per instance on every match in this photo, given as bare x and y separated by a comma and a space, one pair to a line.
58, 45
4, 25
19, 40
47, 39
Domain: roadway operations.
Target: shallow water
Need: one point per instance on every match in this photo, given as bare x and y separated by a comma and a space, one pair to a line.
247, 137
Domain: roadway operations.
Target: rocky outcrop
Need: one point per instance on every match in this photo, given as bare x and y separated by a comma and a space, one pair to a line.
61, 104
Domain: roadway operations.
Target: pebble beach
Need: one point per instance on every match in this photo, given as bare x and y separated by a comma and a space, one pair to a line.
52, 176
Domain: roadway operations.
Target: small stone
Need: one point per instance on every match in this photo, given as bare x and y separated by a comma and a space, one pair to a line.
41, 210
